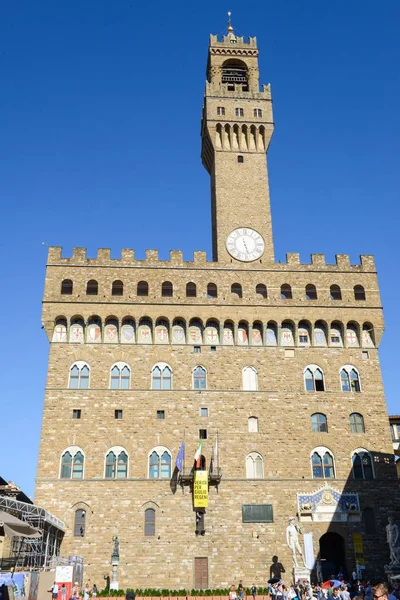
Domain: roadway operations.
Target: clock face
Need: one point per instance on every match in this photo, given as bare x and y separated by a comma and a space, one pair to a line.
245, 244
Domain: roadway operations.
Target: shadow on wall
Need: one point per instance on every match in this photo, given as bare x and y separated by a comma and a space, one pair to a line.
356, 513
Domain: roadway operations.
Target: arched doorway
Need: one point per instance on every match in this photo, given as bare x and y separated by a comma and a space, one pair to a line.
332, 554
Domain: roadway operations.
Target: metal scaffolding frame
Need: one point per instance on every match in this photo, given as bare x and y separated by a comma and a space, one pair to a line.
33, 553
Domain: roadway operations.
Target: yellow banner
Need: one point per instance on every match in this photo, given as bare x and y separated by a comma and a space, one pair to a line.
358, 549
200, 489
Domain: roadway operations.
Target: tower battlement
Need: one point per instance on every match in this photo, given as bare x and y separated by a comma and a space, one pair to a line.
234, 43
80, 257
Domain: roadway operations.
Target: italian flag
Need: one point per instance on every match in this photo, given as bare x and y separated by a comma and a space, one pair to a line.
197, 456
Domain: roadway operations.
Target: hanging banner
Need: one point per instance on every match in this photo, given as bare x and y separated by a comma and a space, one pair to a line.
200, 490
358, 549
309, 557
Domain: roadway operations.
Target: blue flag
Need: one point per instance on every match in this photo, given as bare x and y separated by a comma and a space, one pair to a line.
180, 457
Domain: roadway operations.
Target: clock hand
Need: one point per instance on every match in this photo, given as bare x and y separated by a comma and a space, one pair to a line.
245, 245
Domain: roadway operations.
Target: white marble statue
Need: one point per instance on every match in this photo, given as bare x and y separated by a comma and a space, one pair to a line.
292, 540
393, 539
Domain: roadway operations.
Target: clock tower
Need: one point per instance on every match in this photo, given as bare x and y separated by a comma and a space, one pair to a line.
236, 131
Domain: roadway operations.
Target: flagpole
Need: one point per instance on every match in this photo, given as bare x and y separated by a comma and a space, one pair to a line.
217, 453
184, 454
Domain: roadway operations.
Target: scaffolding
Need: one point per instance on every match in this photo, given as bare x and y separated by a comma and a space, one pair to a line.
33, 553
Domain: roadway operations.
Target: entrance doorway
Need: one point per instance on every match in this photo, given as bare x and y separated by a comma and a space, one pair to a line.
201, 573
332, 555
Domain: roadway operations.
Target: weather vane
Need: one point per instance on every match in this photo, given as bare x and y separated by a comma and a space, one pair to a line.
230, 28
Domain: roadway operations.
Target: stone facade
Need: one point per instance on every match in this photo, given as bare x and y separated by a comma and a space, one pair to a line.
226, 328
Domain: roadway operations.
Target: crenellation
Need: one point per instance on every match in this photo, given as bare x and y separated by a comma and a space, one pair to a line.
176, 257
367, 262
293, 259
104, 255
79, 255
318, 259
127, 256
151, 256
343, 261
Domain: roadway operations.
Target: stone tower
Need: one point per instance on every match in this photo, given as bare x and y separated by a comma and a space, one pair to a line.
237, 127
274, 367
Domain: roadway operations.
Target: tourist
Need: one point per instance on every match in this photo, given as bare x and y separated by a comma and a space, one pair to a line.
54, 591
95, 591
86, 592
63, 592
253, 591
240, 589
130, 595
380, 592
232, 593
76, 591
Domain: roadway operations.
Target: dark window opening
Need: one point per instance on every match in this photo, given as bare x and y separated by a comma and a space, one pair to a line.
118, 414
79, 525
66, 287
142, 288
286, 292
203, 434
167, 289
149, 522
92, 288
161, 414
359, 292
76, 413
191, 290
117, 288
212, 291
240, 158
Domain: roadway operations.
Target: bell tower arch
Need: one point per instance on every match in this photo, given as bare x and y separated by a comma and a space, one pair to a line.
236, 131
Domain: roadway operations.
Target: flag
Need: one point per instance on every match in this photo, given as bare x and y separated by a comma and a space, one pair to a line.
197, 456
181, 457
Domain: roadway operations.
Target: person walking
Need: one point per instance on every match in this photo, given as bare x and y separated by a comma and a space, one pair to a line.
63, 592
253, 591
232, 593
95, 591
76, 591
54, 591
86, 592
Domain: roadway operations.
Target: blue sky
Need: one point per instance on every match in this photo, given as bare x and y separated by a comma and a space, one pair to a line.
100, 118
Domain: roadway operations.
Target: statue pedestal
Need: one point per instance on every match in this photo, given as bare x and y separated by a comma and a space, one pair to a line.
301, 574
114, 578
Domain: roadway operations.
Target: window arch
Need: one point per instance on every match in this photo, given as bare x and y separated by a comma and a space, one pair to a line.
80, 523
362, 464
60, 330
261, 290
212, 290
167, 289
79, 376
249, 378
357, 423
336, 334
314, 379
72, 463
236, 290
311, 292
67, 287
254, 466
322, 464
303, 332
235, 75
336, 292
349, 379
120, 376
319, 423
111, 330
142, 288
161, 377
93, 330
116, 463
359, 292
286, 292
191, 291
253, 424
117, 288
211, 332
76, 330
199, 378
160, 463
149, 522
92, 288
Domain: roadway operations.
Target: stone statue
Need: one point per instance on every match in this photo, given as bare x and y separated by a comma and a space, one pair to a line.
393, 539
115, 552
292, 540
318, 568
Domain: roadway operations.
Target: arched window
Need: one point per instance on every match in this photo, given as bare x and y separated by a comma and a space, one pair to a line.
72, 462
322, 464
79, 376
111, 331
116, 466
243, 333
314, 379
311, 292
249, 379
190, 291
362, 465
303, 333
199, 378
349, 379
234, 75
92, 288
253, 424
336, 292
236, 290
117, 288
93, 331
319, 423
286, 292
149, 522
254, 466
212, 290
257, 334
145, 331
336, 334
120, 376
178, 331
211, 332
142, 288
167, 289
67, 287
359, 292
79, 523
160, 463
357, 423
161, 377
60, 330
261, 290
76, 329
